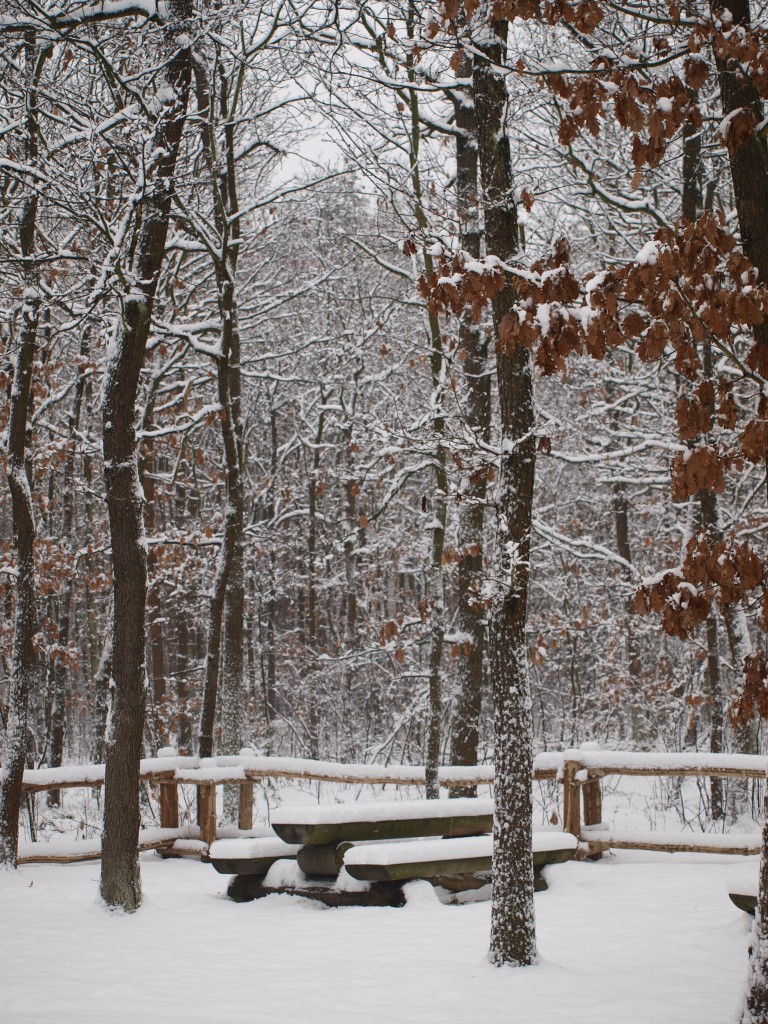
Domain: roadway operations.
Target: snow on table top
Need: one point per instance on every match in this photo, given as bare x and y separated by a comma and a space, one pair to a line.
431, 850
249, 849
382, 810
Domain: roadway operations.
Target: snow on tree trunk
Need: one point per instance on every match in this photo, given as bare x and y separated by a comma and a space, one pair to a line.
513, 938
473, 343
120, 877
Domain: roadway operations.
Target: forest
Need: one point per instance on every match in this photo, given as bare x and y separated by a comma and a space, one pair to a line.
383, 383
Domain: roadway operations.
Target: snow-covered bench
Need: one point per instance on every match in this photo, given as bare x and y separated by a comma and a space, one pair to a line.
433, 858
249, 856
743, 884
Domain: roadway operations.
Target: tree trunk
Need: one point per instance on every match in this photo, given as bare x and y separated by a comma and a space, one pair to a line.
230, 389
25, 621
438, 507
158, 723
232, 689
710, 518
477, 414
225, 642
120, 877
749, 163
749, 174
314, 480
624, 549
61, 673
184, 736
23, 520
270, 690
513, 938
756, 1002
744, 736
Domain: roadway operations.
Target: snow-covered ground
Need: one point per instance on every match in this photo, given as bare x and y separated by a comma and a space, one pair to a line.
636, 938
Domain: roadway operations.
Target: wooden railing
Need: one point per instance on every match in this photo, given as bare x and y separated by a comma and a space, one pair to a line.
579, 771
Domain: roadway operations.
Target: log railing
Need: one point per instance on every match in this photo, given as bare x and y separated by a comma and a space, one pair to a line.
579, 771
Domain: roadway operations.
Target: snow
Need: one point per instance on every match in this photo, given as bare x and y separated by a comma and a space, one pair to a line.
346, 883
63, 845
246, 849
237, 768
631, 938
684, 841
284, 873
622, 760
382, 810
543, 314
425, 850
649, 254
743, 879
723, 129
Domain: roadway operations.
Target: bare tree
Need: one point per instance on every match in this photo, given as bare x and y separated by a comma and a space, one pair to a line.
120, 878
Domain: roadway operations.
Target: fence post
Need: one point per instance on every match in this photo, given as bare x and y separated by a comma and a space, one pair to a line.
593, 800
571, 798
169, 805
245, 806
592, 792
206, 811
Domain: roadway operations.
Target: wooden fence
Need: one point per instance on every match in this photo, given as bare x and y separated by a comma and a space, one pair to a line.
579, 771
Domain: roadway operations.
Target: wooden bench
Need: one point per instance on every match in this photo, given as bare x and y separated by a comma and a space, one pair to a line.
744, 901
380, 846
435, 858
249, 856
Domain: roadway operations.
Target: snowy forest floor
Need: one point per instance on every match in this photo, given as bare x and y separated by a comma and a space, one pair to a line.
632, 939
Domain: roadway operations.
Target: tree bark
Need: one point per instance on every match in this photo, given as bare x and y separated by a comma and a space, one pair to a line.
314, 480
749, 174
159, 719
755, 1009
710, 517
477, 413
120, 877
513, 939
749, 162
61, 674
437, 509
23, 519
225, 641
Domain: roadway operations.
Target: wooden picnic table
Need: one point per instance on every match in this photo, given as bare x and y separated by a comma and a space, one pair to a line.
382, 844
391, 819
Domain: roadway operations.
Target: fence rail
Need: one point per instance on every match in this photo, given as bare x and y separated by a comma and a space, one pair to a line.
579, 771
